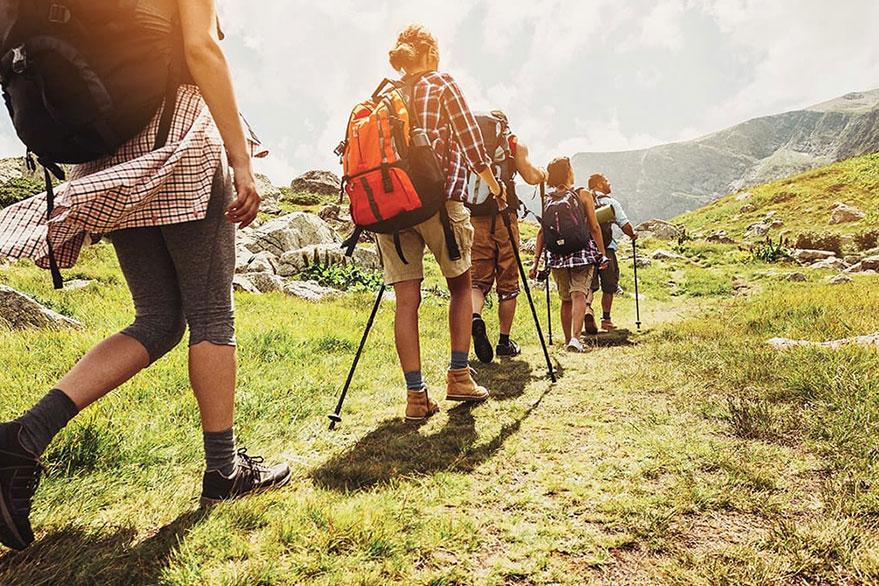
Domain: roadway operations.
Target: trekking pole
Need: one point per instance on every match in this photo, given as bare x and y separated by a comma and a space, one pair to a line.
637, 297
551, 371
546, 268
335, 416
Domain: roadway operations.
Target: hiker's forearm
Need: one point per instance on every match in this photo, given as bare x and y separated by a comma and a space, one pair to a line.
531, 174
211, 73
488, 177
629, 231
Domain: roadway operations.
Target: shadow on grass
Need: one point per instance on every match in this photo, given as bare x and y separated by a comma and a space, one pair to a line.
609, 339
397, 450
78, 556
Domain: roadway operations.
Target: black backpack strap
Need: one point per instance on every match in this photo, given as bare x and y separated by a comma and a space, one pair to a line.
399, 248
493, 219
351, 242
57, 279
451, 241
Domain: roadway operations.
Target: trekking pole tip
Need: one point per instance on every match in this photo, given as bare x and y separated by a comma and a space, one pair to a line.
334, 419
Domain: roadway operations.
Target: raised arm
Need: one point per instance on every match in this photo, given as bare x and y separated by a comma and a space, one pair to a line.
198, 19
531, 174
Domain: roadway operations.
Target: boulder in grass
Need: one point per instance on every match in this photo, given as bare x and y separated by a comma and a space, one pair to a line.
242, 283
809, 256
871, 263
666, 255
263, 262
21, 312
758, 230
266, 282
843, 214
267, 191
310, 290
830, 264
292, 232
658, 229
720, 237
840, 280
797, 278
744, 196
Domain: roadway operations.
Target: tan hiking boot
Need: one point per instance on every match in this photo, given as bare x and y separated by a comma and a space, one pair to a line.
462, 387
608, 326
419, 406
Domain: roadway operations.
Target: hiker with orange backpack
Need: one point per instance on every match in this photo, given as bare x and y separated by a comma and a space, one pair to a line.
493, 257
405, 158
570, 230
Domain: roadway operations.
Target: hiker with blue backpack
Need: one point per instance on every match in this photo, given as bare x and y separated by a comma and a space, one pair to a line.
493, 258
571, 232
154, 130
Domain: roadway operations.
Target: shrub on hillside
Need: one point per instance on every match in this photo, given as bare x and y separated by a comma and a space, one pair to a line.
342, 277
770, 251
867, 240
300, 199
820, 241
18, 189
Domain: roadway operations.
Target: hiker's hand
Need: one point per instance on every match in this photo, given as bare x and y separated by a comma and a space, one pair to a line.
243, 210
533, 274
501, 197
634, 236
604, 262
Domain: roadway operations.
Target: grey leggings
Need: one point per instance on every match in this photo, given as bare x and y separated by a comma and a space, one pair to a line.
182, 273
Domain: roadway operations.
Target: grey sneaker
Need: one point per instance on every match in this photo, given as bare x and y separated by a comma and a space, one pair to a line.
251, 477
19, 476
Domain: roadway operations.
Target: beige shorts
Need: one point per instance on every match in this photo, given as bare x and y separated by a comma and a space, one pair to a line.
570, 280
430, 233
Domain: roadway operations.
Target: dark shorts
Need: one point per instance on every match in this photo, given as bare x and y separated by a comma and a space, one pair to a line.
609, 278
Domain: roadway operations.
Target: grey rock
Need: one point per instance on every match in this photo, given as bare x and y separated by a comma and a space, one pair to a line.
745, 196
797, 278
830, 264
871, 263
76, 284
666, 255
295, 261
21, 312
270, 208
243, 257
310, 290
267, 191
265, 282
843, 213
784, 343
241, 283
809, 256
292, 232
319, 182
659, 229
720, 237
857, 267
757, 230
776, 223
263, 262
747, 208
852, 259
840, 279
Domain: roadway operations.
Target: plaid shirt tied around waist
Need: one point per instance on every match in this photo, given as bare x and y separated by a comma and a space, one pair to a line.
133, 188
452, 129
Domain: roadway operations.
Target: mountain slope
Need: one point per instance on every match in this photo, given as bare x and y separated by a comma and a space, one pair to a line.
667, 180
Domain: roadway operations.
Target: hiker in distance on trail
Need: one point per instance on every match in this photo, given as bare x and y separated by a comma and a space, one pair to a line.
406, 157
570, 230
493, 258
163, 192
608, 279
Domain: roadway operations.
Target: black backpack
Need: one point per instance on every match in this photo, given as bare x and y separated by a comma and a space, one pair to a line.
80, 78
565, 230
496, 135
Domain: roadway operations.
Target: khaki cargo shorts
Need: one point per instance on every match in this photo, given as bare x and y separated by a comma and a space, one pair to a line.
578, 279
493, 258
430, 233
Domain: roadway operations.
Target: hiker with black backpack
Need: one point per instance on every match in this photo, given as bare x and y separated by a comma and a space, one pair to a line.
435, 107
608, 280
85, 81
493, 257
570, 230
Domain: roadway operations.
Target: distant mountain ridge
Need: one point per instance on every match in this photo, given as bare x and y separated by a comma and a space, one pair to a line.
666, 180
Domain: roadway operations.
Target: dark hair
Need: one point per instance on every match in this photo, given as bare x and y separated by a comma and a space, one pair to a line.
596, 180
558, 171
412, 44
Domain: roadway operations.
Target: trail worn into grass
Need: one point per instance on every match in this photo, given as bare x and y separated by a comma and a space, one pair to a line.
691, 454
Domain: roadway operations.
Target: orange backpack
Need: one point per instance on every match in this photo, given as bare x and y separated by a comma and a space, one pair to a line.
391, 173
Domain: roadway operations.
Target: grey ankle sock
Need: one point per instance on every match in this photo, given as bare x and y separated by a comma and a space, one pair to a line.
45, 419
414, 381
459, 360
219, 451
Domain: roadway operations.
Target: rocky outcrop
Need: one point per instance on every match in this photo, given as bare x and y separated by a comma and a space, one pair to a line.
319, 182
267, 191
658, 229
811, 256
295, 261
720, 237
310, 290
21, 312
292, 232
661, 254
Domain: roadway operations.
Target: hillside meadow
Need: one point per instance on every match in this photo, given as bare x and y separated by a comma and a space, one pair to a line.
688, 453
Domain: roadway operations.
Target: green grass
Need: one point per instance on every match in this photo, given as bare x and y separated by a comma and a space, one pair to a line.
690, 454
803, 203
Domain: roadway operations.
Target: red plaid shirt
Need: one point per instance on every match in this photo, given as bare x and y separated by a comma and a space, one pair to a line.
452, 129
135, 187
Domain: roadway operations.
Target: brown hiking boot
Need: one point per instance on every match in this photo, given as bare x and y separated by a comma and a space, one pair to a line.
589, 324
608, 326
462, 387
419, 406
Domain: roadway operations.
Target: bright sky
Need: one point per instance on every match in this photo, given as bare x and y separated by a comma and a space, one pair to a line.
573, 75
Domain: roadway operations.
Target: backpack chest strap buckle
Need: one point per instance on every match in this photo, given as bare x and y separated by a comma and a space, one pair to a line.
19, 59
59, 14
